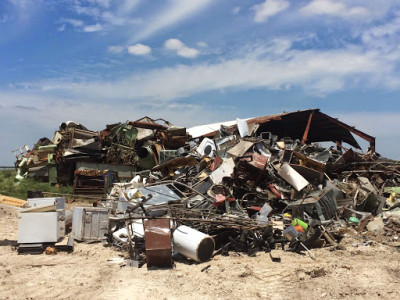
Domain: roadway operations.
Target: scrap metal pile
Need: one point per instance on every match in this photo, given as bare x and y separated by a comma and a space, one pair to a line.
118, 151
243, 186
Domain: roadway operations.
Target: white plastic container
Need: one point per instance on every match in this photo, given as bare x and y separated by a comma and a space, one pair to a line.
193, 243
290, 233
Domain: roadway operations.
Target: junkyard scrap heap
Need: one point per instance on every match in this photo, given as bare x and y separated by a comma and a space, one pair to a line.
247, 185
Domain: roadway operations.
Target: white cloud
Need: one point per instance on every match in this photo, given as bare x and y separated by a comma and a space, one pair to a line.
180, 48
139, 49
73, 22
79, 25
273, 65
270, 66
116, 49
25, 8
384, 36
61, 28
128, 5
202, 44
333, 7
93, 28
236, 10
110, 18
92, 11
268, 8
103, 3
175, 12
105, 14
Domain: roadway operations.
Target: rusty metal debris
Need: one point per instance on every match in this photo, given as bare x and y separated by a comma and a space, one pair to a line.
132, 146
158, 243
252, 185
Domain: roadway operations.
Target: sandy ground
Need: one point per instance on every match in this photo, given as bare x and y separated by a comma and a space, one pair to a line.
363, 272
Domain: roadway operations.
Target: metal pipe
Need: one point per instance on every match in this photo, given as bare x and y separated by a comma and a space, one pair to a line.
305, 135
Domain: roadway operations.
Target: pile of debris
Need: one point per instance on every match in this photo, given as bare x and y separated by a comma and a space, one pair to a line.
245, 186
91, 161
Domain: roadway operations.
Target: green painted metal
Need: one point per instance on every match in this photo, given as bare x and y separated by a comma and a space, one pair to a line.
395, 189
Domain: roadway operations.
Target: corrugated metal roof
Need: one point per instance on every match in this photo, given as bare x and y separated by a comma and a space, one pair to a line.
293, 124
276, 117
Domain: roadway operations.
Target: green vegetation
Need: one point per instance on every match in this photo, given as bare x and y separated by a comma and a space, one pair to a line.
9, 188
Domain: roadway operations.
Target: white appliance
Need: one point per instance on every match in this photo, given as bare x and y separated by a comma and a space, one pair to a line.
40, 227
206, 148
59, 202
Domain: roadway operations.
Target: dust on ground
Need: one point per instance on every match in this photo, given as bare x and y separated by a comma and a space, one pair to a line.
354, 272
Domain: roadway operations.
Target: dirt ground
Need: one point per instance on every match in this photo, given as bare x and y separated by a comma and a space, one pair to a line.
356, 272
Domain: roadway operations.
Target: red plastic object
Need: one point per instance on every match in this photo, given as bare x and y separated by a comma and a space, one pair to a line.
219, 200
275, 191
254, 208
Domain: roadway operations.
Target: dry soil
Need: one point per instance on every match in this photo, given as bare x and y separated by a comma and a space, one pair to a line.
355, 272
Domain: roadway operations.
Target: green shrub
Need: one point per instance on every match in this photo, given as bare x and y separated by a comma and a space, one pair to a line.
19, 190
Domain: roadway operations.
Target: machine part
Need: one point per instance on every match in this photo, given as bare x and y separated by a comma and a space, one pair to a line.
193, 244
373, 203
147, 159
93, 182
320, 205
173, 137
206, 148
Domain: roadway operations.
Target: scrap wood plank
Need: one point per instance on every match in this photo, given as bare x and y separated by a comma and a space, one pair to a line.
12, 201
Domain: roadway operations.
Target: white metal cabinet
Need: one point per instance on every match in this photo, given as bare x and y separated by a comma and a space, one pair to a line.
89, 223
59, 202
40, 227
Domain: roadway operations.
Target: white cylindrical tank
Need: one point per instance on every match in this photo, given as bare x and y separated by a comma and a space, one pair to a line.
193, 243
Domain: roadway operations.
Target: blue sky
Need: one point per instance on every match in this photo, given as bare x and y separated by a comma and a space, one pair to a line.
194, 62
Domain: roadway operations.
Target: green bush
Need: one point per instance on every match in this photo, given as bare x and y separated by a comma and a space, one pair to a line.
9, 187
